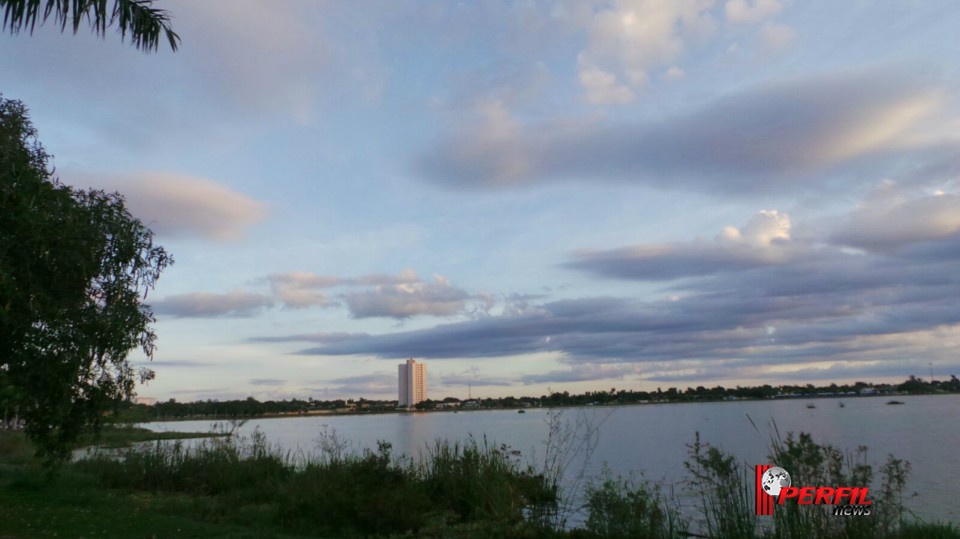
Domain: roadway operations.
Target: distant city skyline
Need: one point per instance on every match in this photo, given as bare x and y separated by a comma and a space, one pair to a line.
529, 196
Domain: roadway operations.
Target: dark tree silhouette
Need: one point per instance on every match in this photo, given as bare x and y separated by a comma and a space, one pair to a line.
74, 270
145, 24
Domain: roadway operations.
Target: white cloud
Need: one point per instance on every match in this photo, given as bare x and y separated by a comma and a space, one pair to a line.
186, 206
302, 289
405, 300
602, 87
629, 38
766, 227
298, 290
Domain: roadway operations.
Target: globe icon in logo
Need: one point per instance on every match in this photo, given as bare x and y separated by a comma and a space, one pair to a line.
774, 479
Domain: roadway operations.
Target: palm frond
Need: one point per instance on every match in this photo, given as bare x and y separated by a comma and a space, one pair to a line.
146, 24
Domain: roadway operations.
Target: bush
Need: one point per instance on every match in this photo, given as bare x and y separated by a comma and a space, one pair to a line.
619, 508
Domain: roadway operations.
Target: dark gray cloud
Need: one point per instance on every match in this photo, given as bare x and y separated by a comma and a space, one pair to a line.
668, 262
310, 337
763, 241
899, 223
166, 364
208, 305
808, 302
762, 139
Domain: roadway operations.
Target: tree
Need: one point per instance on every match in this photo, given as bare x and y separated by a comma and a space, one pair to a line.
75, 267
145, 24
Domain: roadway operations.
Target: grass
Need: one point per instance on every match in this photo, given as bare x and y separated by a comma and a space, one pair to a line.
117, 436
72, 504
235, 487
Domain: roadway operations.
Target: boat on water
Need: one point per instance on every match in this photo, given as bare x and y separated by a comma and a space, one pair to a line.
842, 405
895, 402
811, 405
521, 411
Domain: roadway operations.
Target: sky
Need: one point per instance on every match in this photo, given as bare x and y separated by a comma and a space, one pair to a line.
530, 196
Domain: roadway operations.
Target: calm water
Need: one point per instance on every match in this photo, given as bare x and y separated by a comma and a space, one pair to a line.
652, 439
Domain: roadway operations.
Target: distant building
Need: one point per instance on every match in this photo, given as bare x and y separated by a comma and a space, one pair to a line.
412, 383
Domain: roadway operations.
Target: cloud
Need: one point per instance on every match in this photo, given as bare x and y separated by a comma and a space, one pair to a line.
765, 240
585, 372
757, 302
407, 276
365, 384
627, 39
174, 364
438, 298
751, 11
398, 296
208, 305
185, 206
602, 87
267, 382
325, 338
893, 224
375, 295
769, 138
465, 380
298, 290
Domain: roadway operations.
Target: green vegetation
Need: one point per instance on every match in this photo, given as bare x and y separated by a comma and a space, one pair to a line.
116, 436
74, 268
246, 487
250, 407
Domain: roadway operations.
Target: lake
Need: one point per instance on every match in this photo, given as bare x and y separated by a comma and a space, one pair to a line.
652, 439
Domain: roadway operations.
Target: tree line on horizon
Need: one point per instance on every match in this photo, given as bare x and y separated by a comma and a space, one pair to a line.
251, 407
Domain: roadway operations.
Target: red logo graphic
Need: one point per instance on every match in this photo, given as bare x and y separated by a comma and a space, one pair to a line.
772, 481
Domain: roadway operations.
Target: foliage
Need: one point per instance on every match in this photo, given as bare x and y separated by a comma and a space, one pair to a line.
469, 486
718, 480
73, 266
569, 445
726, 497
810, 463
618, 508
146, 24
246, 487
251, 407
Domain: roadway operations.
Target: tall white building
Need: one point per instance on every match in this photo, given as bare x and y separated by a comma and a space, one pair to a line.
412, 383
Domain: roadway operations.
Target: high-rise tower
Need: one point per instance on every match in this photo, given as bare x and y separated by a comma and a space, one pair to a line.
412, 383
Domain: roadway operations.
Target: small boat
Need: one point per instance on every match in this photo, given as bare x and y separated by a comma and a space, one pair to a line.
842, 405
521, 411
810, 405
894, 402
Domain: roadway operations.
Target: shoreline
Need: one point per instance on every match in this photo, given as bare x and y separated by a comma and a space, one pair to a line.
331, 413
